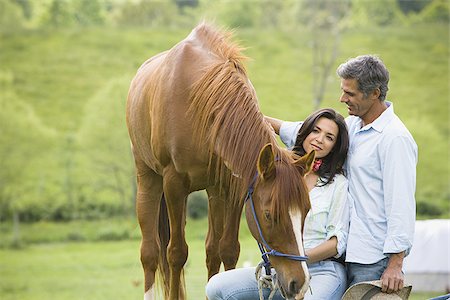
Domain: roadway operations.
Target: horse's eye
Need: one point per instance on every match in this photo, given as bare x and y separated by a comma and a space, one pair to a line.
267, 216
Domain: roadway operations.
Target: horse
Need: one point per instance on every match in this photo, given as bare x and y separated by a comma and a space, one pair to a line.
194, 123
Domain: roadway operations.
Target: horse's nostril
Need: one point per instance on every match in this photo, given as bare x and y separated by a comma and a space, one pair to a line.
294, 287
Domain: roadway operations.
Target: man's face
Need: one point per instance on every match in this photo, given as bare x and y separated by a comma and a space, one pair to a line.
357, 104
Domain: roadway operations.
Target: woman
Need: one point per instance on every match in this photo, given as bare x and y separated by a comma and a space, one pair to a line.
326, 225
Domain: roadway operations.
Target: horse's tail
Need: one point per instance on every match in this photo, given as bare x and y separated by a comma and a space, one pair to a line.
163, 265
164, 237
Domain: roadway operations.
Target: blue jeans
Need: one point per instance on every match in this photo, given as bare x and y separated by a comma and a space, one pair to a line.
328, 282
361, 272
443, 297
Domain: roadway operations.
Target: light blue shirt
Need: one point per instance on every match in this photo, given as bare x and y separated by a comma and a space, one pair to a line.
381, 173
288, 133
330, 213
381, 170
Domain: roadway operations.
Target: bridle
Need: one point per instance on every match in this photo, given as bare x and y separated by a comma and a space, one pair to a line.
264, 247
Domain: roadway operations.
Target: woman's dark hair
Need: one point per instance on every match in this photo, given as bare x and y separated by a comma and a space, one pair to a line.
333, 163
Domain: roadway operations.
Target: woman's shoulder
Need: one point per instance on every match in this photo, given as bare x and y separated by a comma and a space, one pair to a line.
340, 179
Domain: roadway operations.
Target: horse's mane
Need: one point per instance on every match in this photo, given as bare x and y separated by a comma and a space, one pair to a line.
226, 116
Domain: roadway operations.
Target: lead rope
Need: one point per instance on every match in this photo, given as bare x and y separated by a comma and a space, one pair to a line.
265, 281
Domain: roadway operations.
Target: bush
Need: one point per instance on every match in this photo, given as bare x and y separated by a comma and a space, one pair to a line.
428, 209
197, 206
113, 234
147, 13
75, 237
11, 17
437, 11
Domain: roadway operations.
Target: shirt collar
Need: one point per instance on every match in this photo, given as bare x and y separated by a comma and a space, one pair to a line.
381, 122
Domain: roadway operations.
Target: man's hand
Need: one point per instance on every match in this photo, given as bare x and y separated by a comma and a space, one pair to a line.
392, 279
275, 123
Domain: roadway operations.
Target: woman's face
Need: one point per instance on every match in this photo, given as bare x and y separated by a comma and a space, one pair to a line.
322, 138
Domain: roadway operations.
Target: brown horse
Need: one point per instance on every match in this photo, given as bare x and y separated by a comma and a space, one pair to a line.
194, 123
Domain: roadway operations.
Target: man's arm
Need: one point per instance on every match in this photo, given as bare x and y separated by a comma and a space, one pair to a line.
276, 123
286, 130
399, 180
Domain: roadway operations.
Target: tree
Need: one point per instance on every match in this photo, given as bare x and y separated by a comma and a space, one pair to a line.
147, 13
69, 187
11, 17
325, 19
26, 7
381, 12
22, 141
271, 12
414, 6
106, 167
438, 10
186, 3
58, 14
237, 14
88, 12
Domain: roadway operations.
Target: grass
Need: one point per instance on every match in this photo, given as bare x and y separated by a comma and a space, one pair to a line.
49, 268
71, 271
99, 269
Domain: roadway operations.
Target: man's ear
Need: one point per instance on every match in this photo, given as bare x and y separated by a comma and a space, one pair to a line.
376, 93
305, 163
266, 162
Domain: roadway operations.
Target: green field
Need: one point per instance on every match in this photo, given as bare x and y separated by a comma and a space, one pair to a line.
96, 268
65, 155
99, 270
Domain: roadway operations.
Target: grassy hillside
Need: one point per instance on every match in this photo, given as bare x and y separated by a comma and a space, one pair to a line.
63, 95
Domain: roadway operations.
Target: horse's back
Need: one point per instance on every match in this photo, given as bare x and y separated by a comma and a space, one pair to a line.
159, 98
138, 107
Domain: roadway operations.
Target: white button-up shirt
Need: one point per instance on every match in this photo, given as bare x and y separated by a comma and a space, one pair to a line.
381, 170
329, 215
381, 173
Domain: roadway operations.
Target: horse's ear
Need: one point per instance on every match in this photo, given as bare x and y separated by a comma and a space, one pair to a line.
266, 162
305, 163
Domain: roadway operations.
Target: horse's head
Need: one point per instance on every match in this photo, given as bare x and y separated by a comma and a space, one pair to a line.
280, 204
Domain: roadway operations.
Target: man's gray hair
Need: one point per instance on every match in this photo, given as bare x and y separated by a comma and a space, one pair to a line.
370, 73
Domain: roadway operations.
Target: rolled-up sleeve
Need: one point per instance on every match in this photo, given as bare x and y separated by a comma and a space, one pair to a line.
339, 215
288, 133
399, 184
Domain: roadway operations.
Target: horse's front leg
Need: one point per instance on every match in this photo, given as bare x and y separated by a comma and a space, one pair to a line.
176, 192
229, 243
216, 215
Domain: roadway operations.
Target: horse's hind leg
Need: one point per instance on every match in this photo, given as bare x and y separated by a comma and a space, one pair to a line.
216, 206
176, 190
148, 198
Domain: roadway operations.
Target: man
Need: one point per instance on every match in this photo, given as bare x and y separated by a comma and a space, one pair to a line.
381, 170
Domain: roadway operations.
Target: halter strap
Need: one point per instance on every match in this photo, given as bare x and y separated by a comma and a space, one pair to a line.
268, 250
